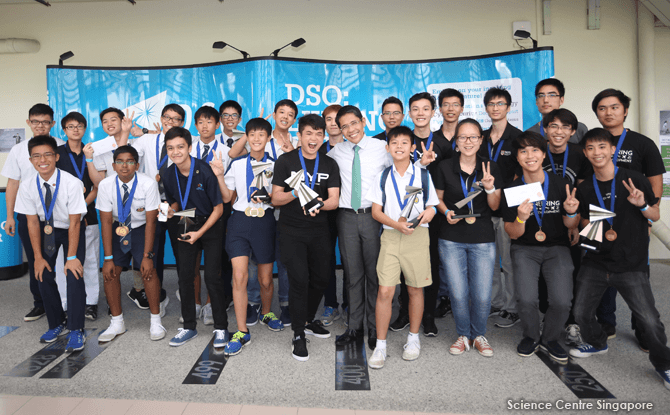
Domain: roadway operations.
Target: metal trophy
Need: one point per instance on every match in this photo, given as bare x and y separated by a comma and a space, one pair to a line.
260, 181
237, 134
185, 220
308, 197
411, 198
594, 230
475, 190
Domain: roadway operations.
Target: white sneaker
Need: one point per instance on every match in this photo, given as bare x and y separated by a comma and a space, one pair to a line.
157, 331
378, 358
412, 350
164, 304
206, 314
114, 329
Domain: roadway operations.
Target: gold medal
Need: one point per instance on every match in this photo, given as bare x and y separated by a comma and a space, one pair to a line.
48, 229
416, 200
253, 212
261, 212
122, 230
470, 220
540, 236
611, 235
247, 211
402, 219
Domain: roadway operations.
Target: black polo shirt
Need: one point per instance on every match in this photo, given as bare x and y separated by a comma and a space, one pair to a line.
639, 153
325, 148
552, 221
578, 166
292, 218
502, 154
630, 250
381, 136
447, 148
447, 179
205, 193
65, 163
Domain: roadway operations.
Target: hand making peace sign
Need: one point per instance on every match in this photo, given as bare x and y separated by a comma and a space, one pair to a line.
571, 203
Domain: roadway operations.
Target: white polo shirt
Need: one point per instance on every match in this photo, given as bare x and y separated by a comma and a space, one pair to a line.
18, 165
215, 146
104, 160
146, 197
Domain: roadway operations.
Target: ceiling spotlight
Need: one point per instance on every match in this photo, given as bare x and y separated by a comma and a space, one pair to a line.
46, 3
221, 45
525, 35
67, 55
296, 43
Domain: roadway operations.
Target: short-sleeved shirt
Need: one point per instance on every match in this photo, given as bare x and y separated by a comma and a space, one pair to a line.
448, 178
578, 167
69, 200
65, 163
215, 147
292, 219
145, 198
630, 250
381, 136
205, 193
501, 152
104, 161
326, 147
236, 179
18, 165
575, 139
552, 221
146, 150
392, 207
448, 147
441, 147
274, 149
639, 153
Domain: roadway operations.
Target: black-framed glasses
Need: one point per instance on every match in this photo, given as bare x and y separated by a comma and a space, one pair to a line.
170, 119
75, 127
35, 123
231, 116
472, 138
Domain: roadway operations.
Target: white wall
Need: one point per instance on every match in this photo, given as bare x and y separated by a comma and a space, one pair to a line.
174, 32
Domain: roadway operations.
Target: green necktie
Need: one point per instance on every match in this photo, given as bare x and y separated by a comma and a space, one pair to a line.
356, 180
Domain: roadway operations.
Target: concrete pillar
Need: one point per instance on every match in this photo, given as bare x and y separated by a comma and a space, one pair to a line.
648, 115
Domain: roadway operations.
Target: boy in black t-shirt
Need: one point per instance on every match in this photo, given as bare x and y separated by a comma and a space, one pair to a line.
539, 233
621, 259
304, 236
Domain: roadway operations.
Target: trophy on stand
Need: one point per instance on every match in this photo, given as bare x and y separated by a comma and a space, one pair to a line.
470, 218
594, 230
308, 197
260, 181
411, 198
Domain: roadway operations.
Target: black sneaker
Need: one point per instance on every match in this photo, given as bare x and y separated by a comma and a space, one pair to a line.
91, 312
401, 323
527, 347
554, 350
507, 319
163, 295
300, 348
316, 329
139, 298
444, 308
495, 311
34, 314
429, 327
610, 330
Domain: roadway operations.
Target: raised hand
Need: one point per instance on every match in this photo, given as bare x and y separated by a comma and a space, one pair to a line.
217, 165
571, 203
487, 181
127, 122
136, 131
428, 155
524, 209
636, 196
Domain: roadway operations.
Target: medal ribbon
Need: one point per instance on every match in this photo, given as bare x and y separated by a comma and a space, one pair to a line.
159, 163
401, 202
274, 152
210, 155
184, 200
541, 129
123, 210
465, 189
80, 173
430, 140
618, 147
612, 198
48, 212
565, 162
497, 153
250, 175
545, 189
304, 169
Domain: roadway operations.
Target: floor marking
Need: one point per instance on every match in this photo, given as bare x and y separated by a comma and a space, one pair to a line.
5, 330
208, 367
43, 358
351, 367
578, 380
75, 361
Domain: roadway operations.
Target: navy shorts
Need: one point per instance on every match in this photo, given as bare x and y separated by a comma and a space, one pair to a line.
251, 237
136, 249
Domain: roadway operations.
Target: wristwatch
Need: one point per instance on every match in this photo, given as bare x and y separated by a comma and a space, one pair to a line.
145, 130
149, 254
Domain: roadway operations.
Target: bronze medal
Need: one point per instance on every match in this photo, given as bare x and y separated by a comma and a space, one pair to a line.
247, 211
126, 242
470, 220
261, 212
402, 219
611, 235
122, 230
48, 229
540, 236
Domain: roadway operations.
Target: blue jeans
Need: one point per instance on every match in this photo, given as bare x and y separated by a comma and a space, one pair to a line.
635, 289
469, 269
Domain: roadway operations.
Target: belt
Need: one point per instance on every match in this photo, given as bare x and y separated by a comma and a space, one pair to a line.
361, 210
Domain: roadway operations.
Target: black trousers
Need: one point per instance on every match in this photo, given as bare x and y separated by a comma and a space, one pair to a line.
210, 243
226, 265
307, 261
22, 228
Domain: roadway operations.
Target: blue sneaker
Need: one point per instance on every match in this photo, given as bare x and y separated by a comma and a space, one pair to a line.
52, 335
330, 314
75, 341
221, 338
253, 310
272, 321
183, 336
285, 316
235, 345
665, 375
586, 350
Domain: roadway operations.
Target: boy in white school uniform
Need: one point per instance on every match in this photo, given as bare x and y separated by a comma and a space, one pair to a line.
128, 204
54, 205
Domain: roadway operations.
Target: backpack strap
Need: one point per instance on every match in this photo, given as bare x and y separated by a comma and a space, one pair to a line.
382, 183
425, 185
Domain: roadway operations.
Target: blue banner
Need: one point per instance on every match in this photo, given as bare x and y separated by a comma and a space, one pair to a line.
260, 82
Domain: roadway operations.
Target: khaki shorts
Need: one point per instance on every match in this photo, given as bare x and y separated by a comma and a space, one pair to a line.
408, 254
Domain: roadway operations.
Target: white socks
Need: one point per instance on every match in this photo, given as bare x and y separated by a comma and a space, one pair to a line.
381, 344
411, 337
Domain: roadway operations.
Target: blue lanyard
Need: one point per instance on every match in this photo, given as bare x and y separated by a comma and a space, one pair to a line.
430, 140
304, 169
453, 143
565, 161
545, 188
250, 175
274, 152
401, 202
184, 200
618, 147
541, 129
48, 212
210, 155
124, 210
327, 146
159, 163
466, 191
612, 198
80, 173
497, 153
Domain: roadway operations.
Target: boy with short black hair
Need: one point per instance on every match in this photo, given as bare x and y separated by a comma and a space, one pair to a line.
620, 260
117, 126
230, 113
451, 104
304, 236
404, 247
128, 204
393, 114
549, 96
54, 207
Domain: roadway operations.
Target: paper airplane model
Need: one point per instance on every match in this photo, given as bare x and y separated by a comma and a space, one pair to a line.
594, 230
308, 197
475, 190
261, 176
412, 194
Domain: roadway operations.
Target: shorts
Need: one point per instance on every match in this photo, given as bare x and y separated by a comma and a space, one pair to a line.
251, 237
408, 254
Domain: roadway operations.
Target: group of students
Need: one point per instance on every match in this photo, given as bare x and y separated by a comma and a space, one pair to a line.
394, 202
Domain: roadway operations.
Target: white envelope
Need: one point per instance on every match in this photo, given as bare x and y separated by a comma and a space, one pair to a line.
101, 147
516, 195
